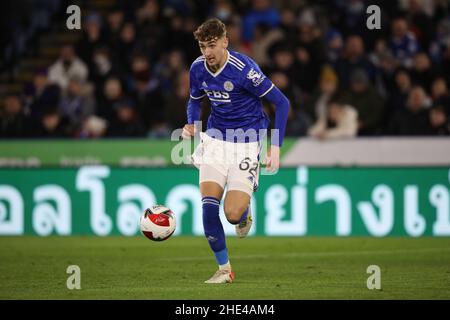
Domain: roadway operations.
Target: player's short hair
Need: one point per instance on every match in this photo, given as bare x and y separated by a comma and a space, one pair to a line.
210, 30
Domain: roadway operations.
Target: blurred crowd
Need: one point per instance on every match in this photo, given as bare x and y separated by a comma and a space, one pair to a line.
128, 75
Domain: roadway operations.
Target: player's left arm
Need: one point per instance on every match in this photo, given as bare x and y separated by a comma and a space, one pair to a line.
256, 82
281, 102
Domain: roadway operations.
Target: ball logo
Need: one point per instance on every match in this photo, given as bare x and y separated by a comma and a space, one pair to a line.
228, 85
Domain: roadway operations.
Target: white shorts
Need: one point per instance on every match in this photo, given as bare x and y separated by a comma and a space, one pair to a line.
226, 163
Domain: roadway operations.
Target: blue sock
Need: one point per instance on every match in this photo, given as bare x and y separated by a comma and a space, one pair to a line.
244, 215
214, 230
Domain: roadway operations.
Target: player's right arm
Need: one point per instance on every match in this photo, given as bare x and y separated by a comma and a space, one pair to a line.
194, 104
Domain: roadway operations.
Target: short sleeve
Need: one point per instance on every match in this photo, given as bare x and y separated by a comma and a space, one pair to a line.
254, 80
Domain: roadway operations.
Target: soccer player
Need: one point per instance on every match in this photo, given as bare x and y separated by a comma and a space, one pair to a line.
234, 84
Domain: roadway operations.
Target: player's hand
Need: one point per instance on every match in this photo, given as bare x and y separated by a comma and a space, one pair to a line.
188, 131
273, 159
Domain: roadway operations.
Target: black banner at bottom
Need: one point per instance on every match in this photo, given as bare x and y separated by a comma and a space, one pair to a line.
219, 309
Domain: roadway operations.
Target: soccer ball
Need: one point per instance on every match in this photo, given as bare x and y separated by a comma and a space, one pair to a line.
158, 223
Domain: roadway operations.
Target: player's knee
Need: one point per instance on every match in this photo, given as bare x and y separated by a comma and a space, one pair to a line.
234, 213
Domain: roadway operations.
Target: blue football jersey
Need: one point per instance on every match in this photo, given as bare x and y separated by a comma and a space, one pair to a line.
235, 92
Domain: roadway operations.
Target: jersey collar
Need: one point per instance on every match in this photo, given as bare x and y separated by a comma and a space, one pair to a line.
221, 69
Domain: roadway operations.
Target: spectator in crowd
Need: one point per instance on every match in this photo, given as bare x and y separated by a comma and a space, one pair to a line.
146, 91
439, 121
102, 66
367, 101
112, 93
42, 94
421, 23
235, 43
354, 58
386, 66
127, 44
283, 61
397, 100
414, 119
386, 72
441, 41
179, 35
77, 105
51, 125
306, 72
224, 10
190, 46
169, 70
115, 21
335, 45
92, 38
265, 38
67, 66
126, 122
328, 89
403, 43
340, 121
353, 18
261, 12
150, 29
422, 72
380, 51
310, 51
440, 94
14, 123
288, 24
94, 127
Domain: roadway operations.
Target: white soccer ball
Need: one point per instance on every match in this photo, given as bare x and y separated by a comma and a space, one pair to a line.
158, 223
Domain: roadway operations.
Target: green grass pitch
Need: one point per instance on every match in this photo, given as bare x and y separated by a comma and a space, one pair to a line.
266, 268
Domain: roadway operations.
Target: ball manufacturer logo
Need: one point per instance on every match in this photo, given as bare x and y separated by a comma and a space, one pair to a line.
160, 220
228, 85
